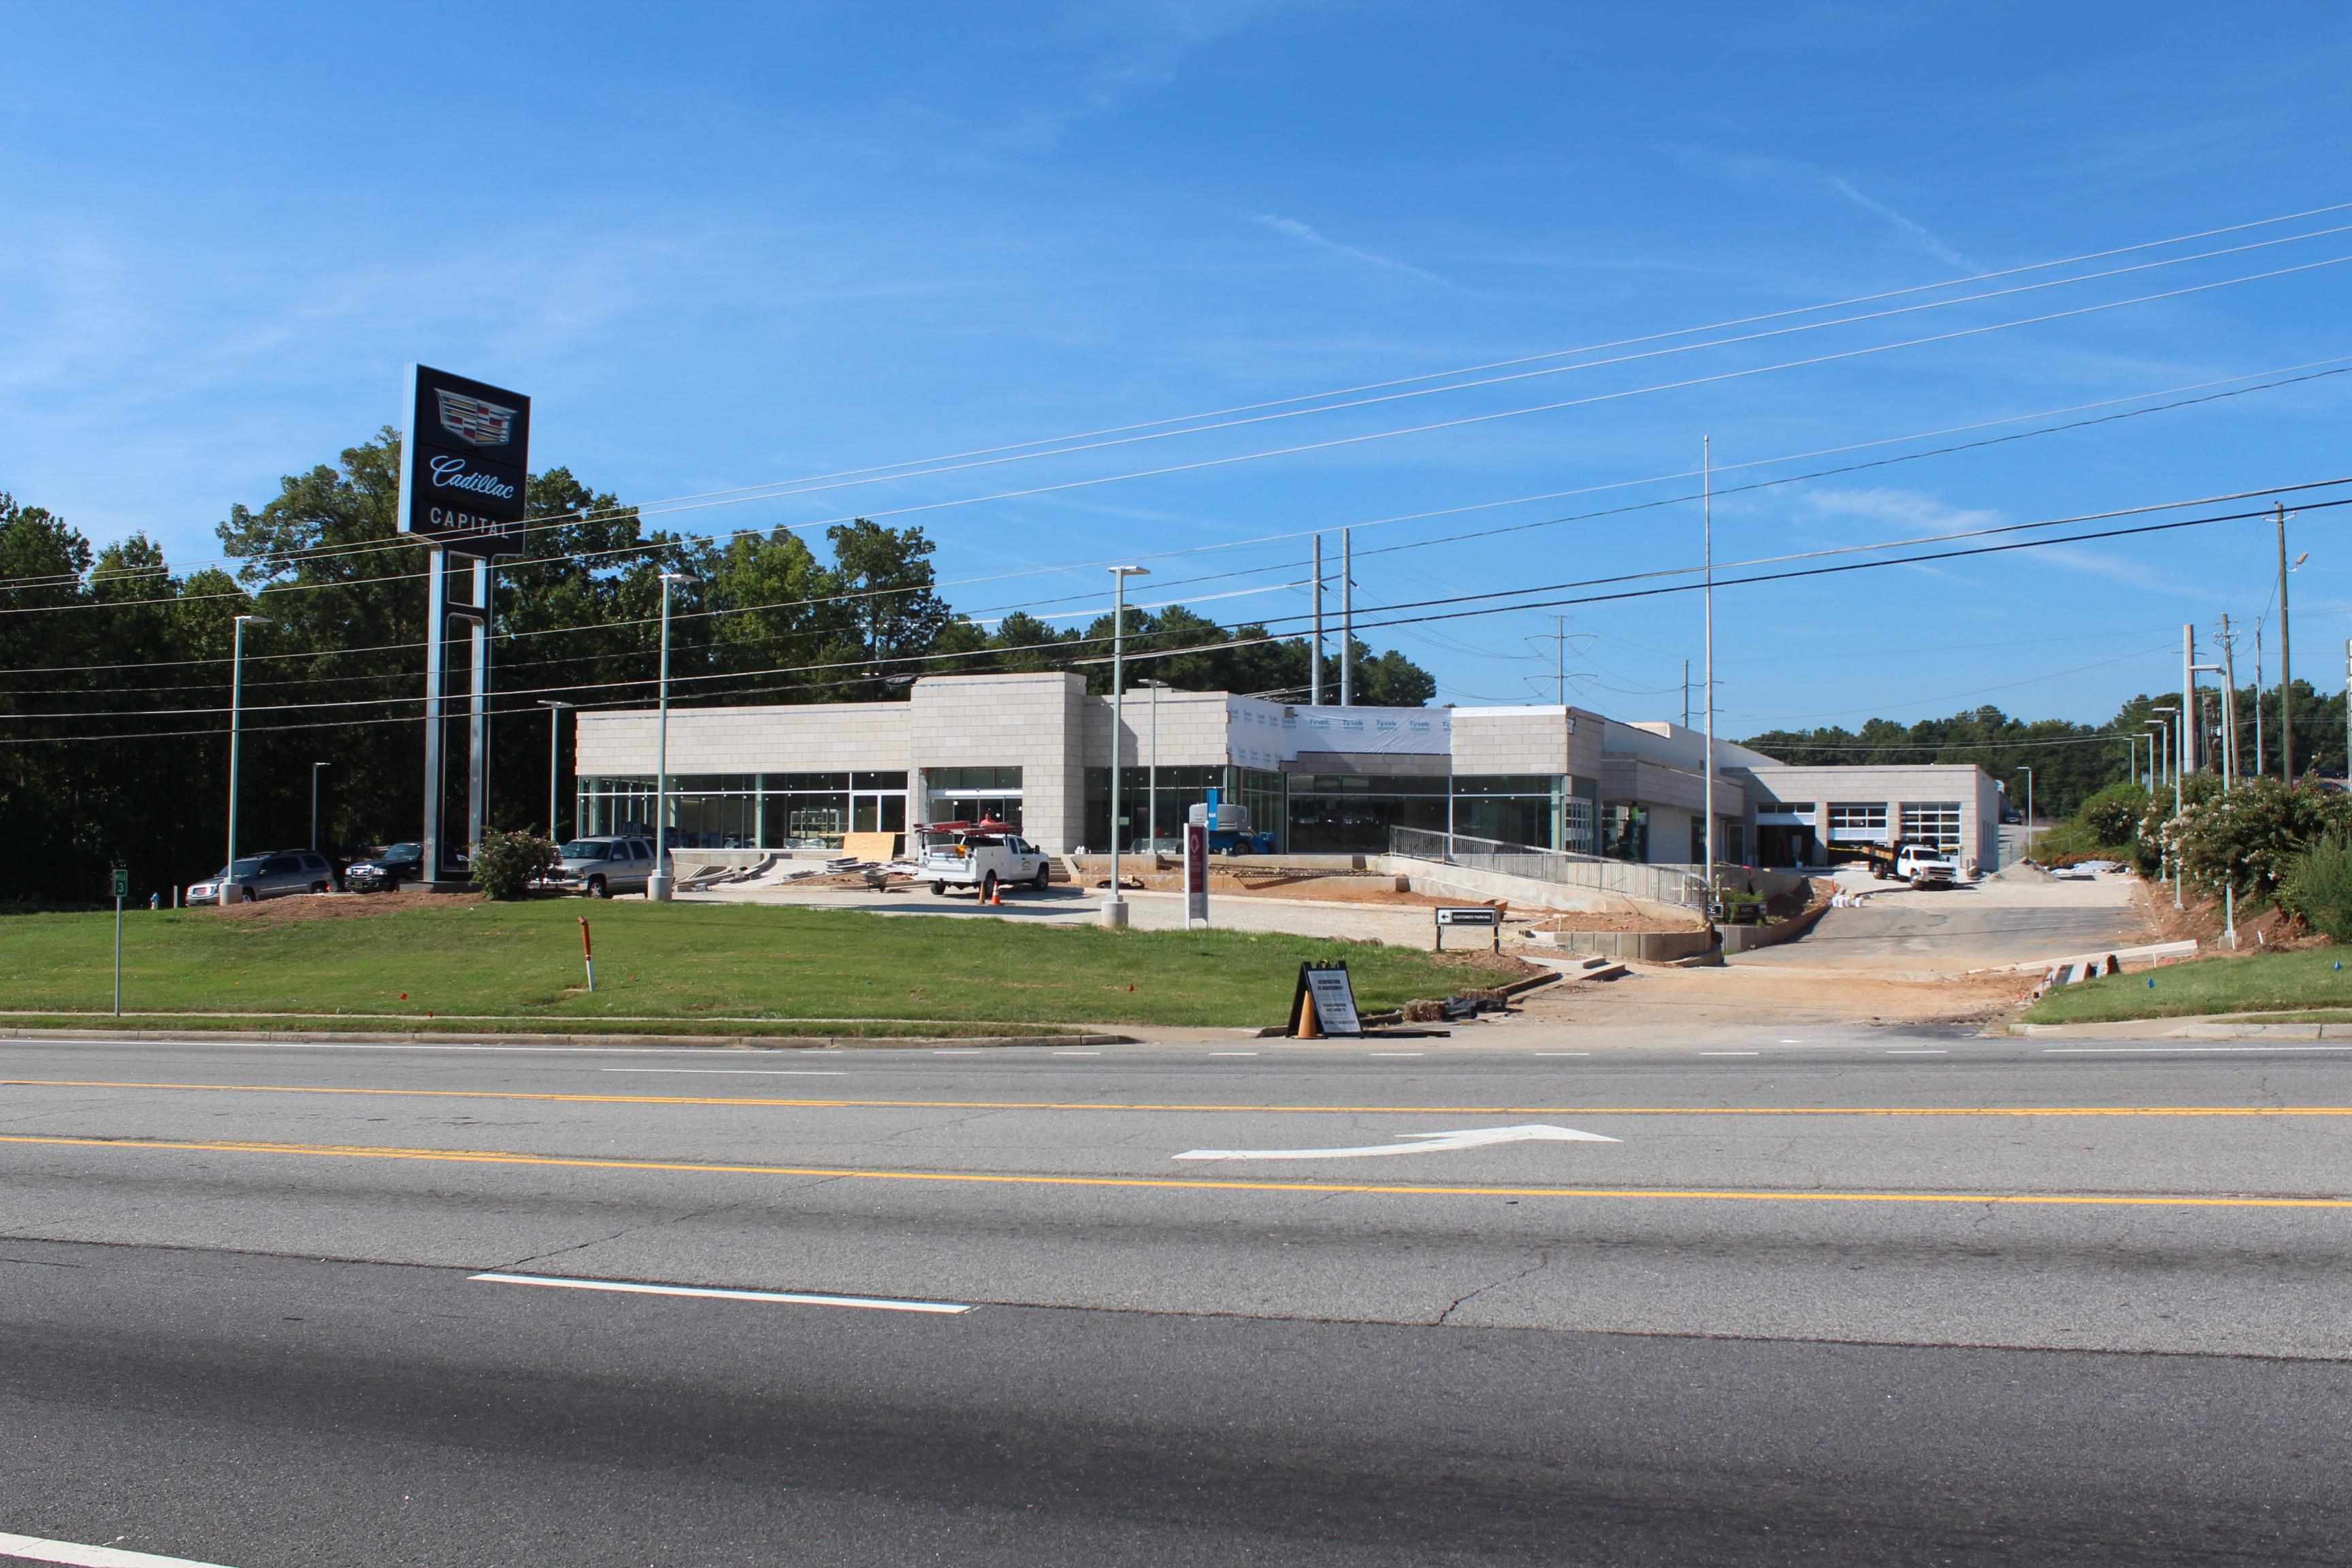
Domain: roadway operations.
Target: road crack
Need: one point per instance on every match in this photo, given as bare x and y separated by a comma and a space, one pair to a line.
1542, 1262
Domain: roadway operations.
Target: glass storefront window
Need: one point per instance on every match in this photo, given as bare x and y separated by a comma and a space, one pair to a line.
747, 811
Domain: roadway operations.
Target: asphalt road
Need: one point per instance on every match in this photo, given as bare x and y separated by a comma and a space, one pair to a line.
1977, 926
1871, 1296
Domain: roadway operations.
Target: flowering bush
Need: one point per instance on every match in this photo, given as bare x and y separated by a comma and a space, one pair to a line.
505, 864
2247, 838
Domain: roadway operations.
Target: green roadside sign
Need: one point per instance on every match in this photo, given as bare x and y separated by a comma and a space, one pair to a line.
122, 881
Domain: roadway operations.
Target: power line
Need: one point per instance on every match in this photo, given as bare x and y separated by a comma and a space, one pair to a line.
642, 510
1146, 653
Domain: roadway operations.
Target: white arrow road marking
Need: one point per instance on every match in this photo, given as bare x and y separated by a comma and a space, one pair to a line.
1422, 1143
35, 1549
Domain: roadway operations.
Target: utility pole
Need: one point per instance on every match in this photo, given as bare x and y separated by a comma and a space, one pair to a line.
1686, 694
1347, 618
1114, 910
2228, 704
1707, 830
1315, 685
2286, 663
1563, 651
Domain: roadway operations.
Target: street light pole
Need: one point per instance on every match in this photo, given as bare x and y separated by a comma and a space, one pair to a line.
1152, 774
2177, 789
554, 756
314, 804
657, 886
1707, 831
1114, 910
2029, 808
236, 728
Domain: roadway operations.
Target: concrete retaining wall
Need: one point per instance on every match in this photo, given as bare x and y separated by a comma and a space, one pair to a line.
1519, 892
1639, 946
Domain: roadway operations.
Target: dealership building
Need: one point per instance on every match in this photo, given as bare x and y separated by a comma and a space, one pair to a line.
1036, 750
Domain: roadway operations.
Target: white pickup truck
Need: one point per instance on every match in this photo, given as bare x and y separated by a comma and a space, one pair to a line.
953, 857
1925, 866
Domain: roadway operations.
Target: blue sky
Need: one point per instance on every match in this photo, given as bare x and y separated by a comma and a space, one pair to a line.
762, 243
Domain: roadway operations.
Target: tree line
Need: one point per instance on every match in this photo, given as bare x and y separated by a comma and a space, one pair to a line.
2072, 761
115, 669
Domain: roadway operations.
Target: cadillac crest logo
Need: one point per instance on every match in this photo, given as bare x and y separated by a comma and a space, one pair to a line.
472, 419
464, 465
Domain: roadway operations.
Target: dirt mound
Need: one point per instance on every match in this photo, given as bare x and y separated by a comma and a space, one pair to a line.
339, 906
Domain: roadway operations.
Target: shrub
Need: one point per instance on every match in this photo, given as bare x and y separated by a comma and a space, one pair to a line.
2318, 887
505, 863
2113, 815
2247, 838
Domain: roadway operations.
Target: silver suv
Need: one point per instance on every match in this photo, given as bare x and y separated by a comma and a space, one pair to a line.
601, 867
268, 877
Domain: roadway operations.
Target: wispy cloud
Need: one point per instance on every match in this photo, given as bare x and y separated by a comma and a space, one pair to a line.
2121, 568
1307, 234
1811, 176
1902, 512
1916, 231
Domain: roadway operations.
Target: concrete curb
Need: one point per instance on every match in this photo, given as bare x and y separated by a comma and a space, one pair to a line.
484, 1037
2186, 1027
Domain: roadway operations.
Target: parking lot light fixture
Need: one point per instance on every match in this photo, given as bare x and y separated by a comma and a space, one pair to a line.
1114, 910
658, 885
236, 726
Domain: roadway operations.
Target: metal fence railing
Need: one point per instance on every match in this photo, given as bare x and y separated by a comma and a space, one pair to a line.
1661, 884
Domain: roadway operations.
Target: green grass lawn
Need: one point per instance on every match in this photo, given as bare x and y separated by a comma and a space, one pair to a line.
2307, 982
681, 962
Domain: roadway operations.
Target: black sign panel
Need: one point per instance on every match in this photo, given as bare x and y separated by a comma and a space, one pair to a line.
464, 463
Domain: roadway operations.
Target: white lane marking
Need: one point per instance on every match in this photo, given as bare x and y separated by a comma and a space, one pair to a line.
1421, 1143
1077, 1053
2175, 1050
958, 1050
743, 1072
1232, 1053
1792, 1042
875, 1303
1731, 1053
1563, 1053
34, 1548
1392, 1053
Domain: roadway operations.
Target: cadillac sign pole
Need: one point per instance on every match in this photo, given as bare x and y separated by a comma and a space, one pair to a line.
464, 466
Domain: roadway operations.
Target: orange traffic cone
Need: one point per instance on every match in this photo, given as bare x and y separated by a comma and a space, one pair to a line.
996, 894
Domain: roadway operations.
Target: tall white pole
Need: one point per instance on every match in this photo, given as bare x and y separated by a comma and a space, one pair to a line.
235, 724
657, 886
1114, 910
1314, 680
1151, 779
1707, 830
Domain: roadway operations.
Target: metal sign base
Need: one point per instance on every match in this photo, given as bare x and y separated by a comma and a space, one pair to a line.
438, 613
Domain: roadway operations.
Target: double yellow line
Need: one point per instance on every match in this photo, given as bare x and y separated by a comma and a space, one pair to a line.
837, 1103
568, 1161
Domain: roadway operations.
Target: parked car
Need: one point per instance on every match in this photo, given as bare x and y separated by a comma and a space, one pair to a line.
385, 872
601, 867
271, 876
